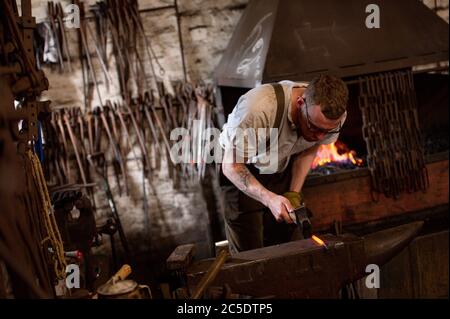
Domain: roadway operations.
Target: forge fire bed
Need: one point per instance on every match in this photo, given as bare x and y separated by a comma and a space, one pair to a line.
347, 197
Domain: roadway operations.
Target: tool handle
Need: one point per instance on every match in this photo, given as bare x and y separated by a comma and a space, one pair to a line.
210, 275
122, 273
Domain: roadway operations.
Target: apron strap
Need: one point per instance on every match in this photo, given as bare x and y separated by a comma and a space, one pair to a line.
279, 92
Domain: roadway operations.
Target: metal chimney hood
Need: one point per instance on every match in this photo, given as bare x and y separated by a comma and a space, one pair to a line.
299, 39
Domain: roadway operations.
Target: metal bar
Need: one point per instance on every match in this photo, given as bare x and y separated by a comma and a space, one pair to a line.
26, 8
91, 16
75, 147
180, 38
157, 8
440, 68
336, 177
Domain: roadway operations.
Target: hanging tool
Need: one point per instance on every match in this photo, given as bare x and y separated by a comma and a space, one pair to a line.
98, 161
59, 14
118, 163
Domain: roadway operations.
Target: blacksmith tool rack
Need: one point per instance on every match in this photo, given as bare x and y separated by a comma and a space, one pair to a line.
38, 245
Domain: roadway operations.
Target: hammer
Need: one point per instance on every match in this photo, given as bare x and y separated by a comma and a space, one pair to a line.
302, 215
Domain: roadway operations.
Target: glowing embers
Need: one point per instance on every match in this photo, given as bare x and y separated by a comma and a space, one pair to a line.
333, 157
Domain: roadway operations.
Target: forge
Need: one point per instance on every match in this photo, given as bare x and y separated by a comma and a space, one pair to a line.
390, 164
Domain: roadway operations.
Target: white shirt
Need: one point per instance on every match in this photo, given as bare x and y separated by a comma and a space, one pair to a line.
257, 109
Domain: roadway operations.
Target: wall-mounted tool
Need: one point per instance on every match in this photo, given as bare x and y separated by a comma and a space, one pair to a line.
98, 161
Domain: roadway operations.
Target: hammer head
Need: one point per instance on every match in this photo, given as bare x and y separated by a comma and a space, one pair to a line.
302, 215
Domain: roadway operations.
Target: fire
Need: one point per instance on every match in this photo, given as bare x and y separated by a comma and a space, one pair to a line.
336, 152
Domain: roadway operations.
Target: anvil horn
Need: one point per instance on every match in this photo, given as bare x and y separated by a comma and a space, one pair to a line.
381, 246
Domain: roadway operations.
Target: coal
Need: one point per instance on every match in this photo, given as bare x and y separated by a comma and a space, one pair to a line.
335, 167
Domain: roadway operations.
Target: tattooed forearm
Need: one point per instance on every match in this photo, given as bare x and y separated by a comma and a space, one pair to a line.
243, 179
244, 176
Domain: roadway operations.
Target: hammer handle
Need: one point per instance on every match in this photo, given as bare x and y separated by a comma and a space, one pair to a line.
121, 274
210, 275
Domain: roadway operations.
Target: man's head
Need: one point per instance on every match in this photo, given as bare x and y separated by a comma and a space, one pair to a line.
322, 107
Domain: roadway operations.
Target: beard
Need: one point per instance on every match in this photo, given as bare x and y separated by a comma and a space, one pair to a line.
310, 138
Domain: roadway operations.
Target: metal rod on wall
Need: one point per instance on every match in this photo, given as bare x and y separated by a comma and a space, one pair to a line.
177, 14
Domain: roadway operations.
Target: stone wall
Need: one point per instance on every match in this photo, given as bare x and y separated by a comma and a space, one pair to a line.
206, 27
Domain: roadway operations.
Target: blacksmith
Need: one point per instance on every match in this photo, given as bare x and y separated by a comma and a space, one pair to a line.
261, 188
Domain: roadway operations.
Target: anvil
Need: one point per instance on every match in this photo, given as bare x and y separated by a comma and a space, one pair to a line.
305, 269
